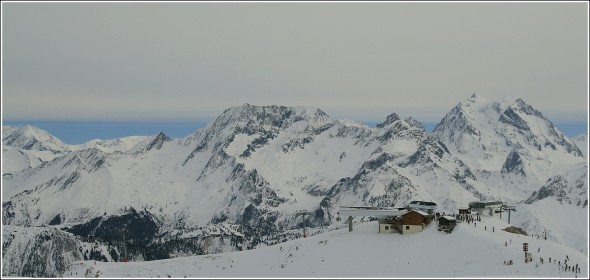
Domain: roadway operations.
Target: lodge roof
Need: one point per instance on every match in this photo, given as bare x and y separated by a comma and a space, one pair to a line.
419, 212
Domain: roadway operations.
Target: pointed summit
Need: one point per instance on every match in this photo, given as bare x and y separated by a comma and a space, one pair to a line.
488, 131
32, 138
158, 141
473, 99
415, 123
393, 117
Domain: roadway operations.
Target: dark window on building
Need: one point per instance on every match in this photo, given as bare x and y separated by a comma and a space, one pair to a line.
387, 227
407, 227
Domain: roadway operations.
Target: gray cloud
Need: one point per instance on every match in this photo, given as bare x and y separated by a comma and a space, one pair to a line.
354, 60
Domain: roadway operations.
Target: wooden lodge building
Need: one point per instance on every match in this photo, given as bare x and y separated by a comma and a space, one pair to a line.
410, 222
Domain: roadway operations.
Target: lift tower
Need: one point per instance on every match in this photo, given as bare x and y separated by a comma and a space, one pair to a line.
124, 233
303, 213
509, 209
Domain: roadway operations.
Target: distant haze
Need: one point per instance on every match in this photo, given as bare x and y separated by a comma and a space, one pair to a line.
73, 132
162, 61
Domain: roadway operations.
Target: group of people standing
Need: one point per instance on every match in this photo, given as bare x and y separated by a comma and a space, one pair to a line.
563, 267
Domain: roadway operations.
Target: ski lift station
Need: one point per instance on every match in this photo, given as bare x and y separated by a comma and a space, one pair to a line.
405, 220
479, 206
426, 206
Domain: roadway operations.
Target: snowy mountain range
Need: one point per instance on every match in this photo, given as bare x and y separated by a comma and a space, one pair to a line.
29, 146
237, 183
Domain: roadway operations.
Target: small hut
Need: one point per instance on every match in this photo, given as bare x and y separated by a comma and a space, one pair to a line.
447, 224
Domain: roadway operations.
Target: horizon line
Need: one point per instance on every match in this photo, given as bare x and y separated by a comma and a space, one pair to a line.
210, 119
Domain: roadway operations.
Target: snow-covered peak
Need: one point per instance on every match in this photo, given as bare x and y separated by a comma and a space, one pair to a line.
582, 142
32, 138
111, 145
263, 122
474, 98
581, 137
280, 117
393, 117
150, 142
487, 131
351, 123
415, 123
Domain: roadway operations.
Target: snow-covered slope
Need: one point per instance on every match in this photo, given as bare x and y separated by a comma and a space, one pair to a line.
548, 215
16, 159
469, 251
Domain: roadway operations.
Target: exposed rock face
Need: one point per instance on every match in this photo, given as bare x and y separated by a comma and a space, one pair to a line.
513, 164
569, 188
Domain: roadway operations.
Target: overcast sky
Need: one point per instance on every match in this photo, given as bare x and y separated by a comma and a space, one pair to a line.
187, 61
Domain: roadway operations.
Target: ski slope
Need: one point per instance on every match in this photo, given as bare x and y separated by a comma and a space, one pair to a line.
469, 251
